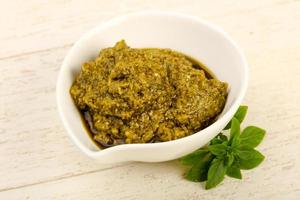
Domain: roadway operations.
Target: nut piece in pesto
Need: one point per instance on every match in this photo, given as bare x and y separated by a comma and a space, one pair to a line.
131, 95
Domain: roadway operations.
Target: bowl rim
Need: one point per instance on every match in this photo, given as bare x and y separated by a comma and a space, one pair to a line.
119, 19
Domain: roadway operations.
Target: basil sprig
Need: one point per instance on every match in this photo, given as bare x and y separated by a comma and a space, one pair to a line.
226, 155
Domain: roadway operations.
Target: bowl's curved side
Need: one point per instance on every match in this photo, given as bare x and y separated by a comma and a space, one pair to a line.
187, 34
155, 152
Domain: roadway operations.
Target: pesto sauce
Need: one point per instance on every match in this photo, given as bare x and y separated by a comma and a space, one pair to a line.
129, 95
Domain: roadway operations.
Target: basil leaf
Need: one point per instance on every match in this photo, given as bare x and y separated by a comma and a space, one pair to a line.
234, 172
239, 115
216, 173
252, 136
218, 149
194, 157
229, 159
219, 139
249, 158
225, 143
215, 141
234, 139
198, 172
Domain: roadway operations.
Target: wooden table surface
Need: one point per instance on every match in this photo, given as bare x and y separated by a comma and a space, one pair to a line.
39, 161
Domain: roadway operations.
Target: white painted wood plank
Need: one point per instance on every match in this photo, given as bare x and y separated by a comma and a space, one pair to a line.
164, 181
38, 25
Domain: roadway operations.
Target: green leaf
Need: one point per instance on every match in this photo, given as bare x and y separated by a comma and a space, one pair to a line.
198, 172
216, 173
216, 141
194, 157
219, 139
234, 172
239, 115
225, 143
234, 139
252, 136
249, 158
218, 149
229, 159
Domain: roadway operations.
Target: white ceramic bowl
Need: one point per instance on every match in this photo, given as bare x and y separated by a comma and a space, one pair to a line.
190, 35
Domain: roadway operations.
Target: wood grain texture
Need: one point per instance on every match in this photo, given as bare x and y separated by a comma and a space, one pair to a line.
38, 160
39, 25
